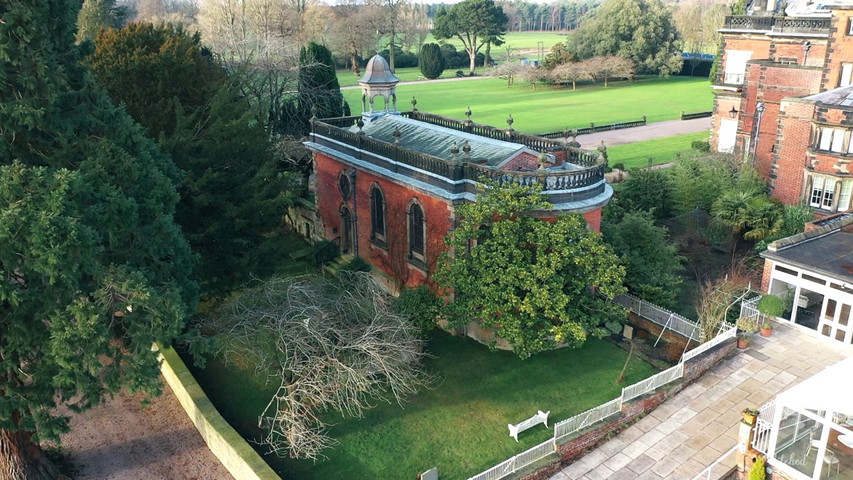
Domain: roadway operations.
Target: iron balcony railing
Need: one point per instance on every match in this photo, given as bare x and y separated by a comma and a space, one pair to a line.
591, 163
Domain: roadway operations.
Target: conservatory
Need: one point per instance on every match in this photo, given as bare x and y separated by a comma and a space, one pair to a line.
808, 430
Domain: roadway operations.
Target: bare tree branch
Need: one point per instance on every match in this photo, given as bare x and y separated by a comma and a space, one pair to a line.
332, 344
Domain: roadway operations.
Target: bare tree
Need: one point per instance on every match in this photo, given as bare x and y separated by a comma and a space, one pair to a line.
247, 35
571, 72
353, 33
609, 67
388, 21
330, 344
508, 71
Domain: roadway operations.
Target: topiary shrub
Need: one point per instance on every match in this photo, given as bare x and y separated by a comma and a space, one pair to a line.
701, 145
771, 306
758, 471
420, 305
324, 252
357, 264
431, 61
619, 166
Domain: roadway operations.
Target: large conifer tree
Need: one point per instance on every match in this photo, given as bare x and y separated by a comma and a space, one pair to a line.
94, 268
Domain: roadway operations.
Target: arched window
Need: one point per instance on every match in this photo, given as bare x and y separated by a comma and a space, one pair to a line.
377, 215
417, 233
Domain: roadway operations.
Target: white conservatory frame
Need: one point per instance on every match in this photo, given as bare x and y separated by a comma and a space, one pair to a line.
830, 394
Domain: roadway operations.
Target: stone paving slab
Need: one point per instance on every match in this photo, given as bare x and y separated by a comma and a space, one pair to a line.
693, 429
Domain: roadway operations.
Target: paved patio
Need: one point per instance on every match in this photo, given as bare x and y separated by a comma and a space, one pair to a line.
691, 430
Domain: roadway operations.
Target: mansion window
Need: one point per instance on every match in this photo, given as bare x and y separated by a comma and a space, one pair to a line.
846, 73
830, 193
831, 139
417, 227
377, 215
736, 66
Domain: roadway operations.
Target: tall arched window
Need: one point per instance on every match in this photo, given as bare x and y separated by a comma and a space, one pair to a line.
417, 233
377, 215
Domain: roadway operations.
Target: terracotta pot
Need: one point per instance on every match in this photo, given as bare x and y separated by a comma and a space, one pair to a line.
742, 343
765, 332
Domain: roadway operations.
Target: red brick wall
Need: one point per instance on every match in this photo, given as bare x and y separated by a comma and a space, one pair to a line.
765, 276
390, 259
593, 219
523, 161
841, 49
770, 83
792, 141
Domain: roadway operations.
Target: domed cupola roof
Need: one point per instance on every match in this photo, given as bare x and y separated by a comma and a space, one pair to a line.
378, 72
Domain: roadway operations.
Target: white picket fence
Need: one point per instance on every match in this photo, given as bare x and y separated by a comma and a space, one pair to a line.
518, 462
671, 320
587, 418
653, 383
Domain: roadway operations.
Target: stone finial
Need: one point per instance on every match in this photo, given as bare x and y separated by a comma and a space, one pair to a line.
454, 151
602, 149
466, 150
313, 113
543, 159
414, 104
468, 115
360, 125
396, 135
509, 122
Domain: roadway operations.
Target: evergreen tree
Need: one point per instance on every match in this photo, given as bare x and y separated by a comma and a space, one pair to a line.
533, 281
98, 14
318, 88
94, 267
431, 61
232, 193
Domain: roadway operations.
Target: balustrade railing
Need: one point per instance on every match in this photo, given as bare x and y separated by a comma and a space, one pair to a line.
778, 24
551, 180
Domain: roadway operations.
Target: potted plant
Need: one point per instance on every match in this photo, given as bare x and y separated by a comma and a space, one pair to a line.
766, 328
749, 415
746, 327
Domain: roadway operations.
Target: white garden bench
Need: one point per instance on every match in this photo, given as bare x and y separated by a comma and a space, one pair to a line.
540, 417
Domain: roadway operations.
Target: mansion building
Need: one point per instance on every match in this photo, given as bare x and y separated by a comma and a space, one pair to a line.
387, 183
783, 99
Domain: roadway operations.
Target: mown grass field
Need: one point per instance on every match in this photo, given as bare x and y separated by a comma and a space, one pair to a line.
459, 425
660, 150
519, 42
552, 108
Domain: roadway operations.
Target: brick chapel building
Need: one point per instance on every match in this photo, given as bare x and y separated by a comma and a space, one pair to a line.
387, 182
783, 99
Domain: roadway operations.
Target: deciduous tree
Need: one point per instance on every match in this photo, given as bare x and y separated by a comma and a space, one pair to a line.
642, 31
94, 267
536, 282
473, 22
97, 14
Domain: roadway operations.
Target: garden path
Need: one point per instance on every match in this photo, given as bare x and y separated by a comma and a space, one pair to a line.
691, 430
123, 440
650, 131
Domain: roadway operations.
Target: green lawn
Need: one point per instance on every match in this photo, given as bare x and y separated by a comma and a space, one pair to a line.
552, 108
661, 150
458, 426
520, 42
